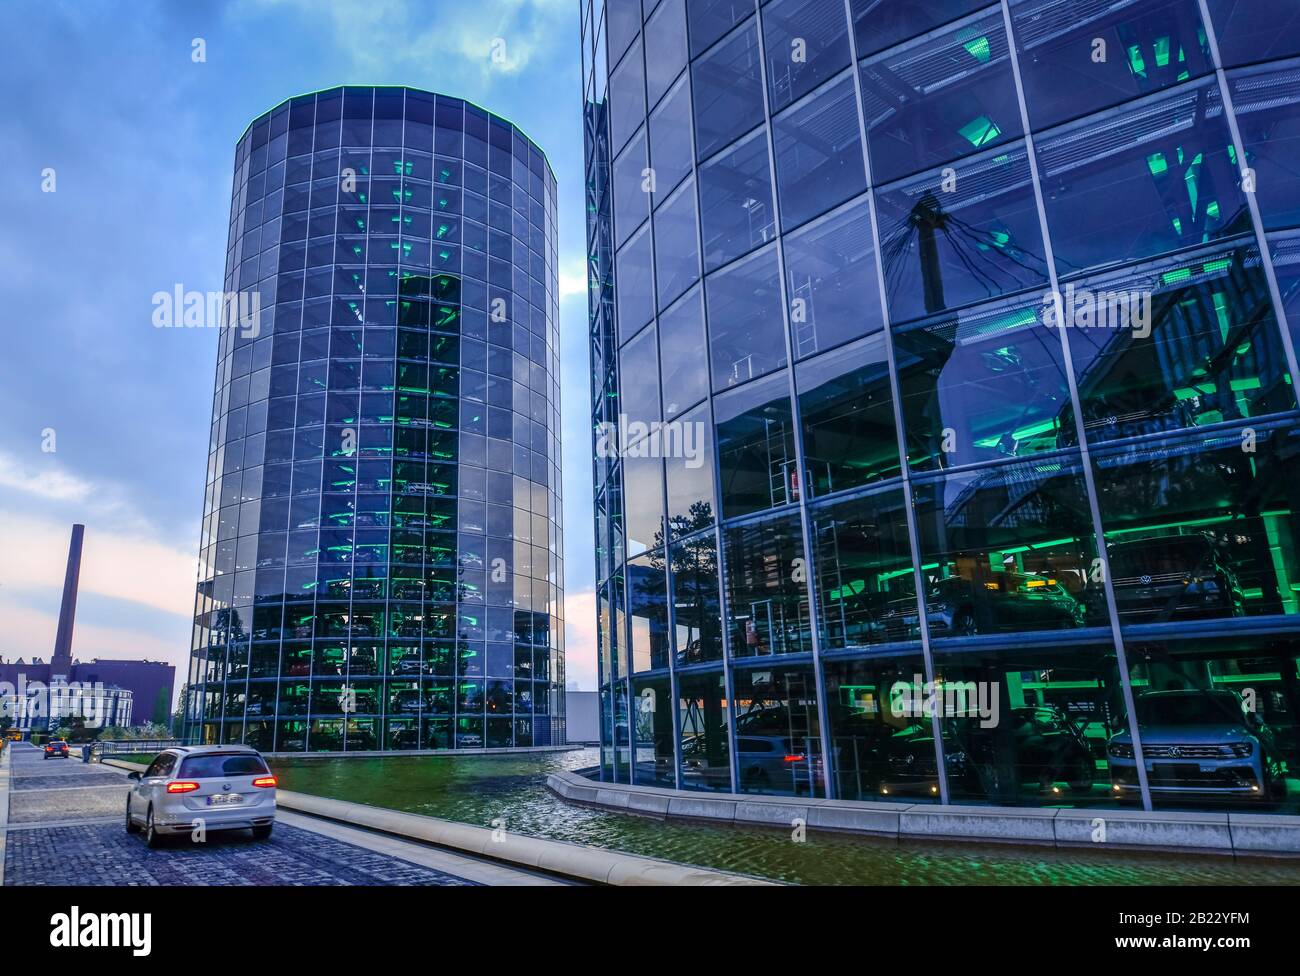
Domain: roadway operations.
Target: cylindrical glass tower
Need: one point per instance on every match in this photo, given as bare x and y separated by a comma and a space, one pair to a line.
380, 564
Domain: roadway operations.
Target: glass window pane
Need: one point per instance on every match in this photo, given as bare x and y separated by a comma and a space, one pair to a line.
746, 327
879, 24
639, 380
767, 602
1137, 183
807, 41
690, 476
626, 99
952, 238
1008, 549
830, 269
621, 737
1202, 526
1255, 30
634, 288
1229, 705
697, 633
631, 199
1177, 343
1286, 262
1027, 727
756, 447
778, 743
983, 384
677, 251
736, 202
703, 718
710, 19
643, 486
849, 438
865, 594
685, 375
652, 715
606, 724
670, 139
665, 47
1268, 115
647, 610
940, 98
879, 751
622, 23
1071, 65
818, 154
728, 90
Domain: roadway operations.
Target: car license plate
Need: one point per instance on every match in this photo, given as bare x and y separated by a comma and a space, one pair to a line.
223, 799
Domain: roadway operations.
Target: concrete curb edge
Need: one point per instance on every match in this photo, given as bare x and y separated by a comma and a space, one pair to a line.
1234, 834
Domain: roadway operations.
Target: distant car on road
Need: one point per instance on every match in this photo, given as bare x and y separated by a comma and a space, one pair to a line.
56, 749
213, 787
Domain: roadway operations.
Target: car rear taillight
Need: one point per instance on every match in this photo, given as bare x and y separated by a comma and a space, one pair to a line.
795, 758
182, 786
264, 781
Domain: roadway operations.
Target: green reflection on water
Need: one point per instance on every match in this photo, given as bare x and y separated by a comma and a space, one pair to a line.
477, 790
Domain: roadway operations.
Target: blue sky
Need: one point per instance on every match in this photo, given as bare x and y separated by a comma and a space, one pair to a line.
140, 139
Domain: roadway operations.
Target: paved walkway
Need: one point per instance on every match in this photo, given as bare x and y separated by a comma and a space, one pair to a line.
65, 826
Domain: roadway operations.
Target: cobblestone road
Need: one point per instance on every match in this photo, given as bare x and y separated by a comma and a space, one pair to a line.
65, 828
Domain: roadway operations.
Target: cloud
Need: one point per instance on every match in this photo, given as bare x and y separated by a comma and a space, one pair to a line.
30, 633
573, 277
117, 566
479, 39
580, 639
52, 483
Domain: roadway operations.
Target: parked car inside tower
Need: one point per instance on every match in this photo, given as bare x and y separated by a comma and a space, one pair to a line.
1200, 743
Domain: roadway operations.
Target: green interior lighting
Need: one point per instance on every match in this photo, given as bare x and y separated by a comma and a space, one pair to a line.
980, 131
976, 45
1162, 52
1135, 62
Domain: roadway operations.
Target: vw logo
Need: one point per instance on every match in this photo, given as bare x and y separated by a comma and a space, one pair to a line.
225, 787
1146, 580
1175, 752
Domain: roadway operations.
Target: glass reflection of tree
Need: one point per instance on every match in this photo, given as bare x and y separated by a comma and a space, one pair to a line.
695, 580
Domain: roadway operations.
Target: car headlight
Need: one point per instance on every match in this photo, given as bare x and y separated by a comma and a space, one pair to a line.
1242, 749
1120, 750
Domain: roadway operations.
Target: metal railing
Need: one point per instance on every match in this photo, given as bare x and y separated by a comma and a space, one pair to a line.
130, 747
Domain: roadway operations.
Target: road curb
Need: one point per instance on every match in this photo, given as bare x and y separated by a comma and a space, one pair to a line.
5, 777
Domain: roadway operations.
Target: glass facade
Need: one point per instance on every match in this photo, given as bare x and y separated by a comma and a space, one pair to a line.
380, 563
958, 340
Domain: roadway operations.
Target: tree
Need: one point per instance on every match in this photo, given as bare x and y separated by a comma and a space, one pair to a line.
161, 706
73, 729
178, 716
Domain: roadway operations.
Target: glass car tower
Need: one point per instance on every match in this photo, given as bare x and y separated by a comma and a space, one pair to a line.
380, 562
951, 349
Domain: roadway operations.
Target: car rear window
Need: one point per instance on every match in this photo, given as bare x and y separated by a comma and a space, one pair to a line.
219, 764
